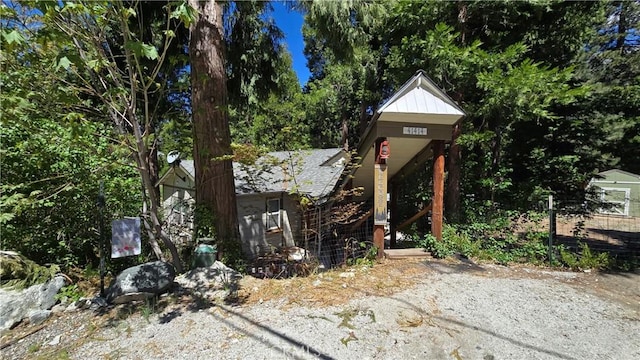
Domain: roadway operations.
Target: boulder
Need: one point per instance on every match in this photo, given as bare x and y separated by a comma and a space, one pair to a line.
217, 281
16, 305
37, 317
154, 278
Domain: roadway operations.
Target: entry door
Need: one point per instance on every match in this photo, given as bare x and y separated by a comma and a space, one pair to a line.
617, 200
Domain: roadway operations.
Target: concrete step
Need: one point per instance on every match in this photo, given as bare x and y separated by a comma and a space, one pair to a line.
413, 253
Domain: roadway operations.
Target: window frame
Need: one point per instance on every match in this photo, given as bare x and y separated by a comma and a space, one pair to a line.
271, 214
622, 205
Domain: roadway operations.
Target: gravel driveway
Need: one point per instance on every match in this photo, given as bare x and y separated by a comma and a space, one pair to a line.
452, 310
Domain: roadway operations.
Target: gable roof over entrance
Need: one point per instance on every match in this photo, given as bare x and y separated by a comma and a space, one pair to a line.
410, 119
417, 97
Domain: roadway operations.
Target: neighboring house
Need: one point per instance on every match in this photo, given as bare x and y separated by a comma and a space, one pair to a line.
620, 190
268, 195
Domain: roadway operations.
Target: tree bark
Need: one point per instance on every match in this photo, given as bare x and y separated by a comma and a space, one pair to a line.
438, 189
215, 189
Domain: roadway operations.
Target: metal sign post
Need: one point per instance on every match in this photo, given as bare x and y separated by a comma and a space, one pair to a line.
101, 204
552, 229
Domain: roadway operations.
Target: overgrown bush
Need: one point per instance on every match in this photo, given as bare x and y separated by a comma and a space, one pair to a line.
585, 258
499, 241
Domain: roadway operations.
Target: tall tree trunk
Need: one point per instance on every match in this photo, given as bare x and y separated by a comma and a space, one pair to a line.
215, 189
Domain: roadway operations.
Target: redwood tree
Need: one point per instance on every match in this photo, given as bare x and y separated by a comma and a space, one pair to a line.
216, 214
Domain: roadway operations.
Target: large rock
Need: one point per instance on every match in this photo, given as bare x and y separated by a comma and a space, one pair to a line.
151, 278
16, 305
217, 281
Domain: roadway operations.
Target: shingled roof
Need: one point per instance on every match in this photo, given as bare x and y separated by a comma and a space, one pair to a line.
311, 172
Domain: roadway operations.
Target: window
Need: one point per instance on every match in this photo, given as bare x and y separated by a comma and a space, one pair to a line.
616, 199
273, 214
181, 212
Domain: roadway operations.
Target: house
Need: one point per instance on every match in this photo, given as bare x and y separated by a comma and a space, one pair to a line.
268, 195
620, 190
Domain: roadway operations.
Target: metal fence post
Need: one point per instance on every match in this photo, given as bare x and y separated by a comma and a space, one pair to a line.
552, 228
101, 204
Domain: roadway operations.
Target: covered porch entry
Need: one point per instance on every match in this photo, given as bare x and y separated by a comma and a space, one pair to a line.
407, 130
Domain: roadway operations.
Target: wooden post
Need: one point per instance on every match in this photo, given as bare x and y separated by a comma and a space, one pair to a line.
379, 200
380, 207
438, 189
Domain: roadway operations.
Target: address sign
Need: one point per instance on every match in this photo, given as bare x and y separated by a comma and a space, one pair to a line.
412, 130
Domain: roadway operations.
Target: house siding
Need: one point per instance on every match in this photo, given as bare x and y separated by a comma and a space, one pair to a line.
616, 179
178, 188
252, 219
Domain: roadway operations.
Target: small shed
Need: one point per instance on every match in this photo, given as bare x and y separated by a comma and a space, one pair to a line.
620, 190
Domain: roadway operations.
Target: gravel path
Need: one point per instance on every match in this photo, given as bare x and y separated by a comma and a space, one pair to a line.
452, 312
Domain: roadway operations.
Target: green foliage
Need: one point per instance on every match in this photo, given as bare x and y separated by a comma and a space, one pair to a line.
232, 255
585, 258
494, 241
68, 123
361, 253
264, 92
149, 308
439, 249
16, 271
69, 293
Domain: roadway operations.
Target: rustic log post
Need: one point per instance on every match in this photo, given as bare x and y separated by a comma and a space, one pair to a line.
438, 189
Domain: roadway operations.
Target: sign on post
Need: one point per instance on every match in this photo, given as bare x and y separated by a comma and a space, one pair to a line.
125, 237
380, 195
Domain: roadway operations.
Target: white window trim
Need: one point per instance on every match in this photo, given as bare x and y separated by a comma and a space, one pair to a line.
624, 203
269, 215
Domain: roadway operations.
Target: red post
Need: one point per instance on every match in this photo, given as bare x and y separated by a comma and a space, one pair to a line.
438, 189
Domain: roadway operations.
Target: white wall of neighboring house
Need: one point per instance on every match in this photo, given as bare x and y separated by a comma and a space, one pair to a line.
177, 204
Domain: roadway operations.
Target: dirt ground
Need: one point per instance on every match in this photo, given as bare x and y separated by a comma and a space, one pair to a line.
447, 290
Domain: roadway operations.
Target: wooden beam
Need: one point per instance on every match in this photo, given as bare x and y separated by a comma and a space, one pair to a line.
395, 129
438, 189
362, 220
415, 217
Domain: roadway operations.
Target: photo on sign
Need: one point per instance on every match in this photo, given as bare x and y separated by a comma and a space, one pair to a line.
125, 237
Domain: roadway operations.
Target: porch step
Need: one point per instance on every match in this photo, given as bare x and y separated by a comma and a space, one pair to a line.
413, 253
